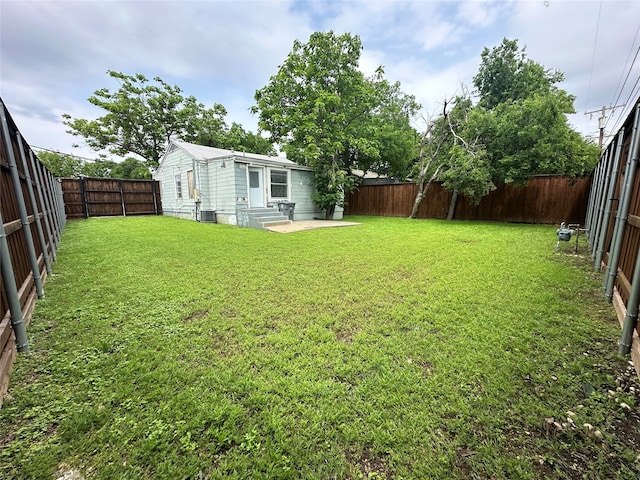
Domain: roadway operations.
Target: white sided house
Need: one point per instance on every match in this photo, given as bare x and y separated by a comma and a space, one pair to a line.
246, 189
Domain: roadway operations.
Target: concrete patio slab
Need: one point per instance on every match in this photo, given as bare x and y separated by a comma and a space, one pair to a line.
302, 225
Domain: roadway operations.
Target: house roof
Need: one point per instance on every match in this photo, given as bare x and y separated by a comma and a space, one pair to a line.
200, 152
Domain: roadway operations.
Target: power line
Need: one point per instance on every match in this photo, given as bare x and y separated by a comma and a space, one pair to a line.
73, 155
627, 77
593, 57
626, 62
635, 92
602, 120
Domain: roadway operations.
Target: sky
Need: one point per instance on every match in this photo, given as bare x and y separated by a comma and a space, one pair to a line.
55, 54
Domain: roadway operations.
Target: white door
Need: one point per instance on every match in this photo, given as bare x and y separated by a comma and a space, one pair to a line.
256, 191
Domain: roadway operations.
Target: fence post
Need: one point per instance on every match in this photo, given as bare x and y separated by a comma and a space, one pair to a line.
613, 180
155, 200
124, 207
63, 214
11, 290
596, 201
34, 205
24, 217
623, 210
592, 193
46, 209
54, 213
599, 213
83, 196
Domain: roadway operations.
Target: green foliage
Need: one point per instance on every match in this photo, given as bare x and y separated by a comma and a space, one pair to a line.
423, 349
325, 113
61, 165
518, 129
507, 74
100, 168
130, 168
468, 173
239, 139
142, 117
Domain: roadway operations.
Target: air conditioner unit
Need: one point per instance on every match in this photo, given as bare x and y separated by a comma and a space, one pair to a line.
208, 216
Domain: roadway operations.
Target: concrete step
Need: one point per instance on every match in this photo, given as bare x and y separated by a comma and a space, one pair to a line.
259, 211
270, 218
274, 223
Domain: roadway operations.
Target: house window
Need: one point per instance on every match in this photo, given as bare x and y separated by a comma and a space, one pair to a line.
178, 186
190, 183
279, 185
254, 179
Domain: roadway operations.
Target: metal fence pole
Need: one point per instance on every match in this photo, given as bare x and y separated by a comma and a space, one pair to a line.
587, 218
46, 208
48, 189
600, 207
613, 180
11, 290
60, 195
623, 210
24, 217
594, 200
56, 209
34, 205
631, 317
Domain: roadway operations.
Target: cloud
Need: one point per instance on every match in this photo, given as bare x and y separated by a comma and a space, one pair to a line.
55, 54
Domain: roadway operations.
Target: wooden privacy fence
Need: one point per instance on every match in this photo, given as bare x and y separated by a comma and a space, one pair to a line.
545, 199
613, 223
31, 218
98, 197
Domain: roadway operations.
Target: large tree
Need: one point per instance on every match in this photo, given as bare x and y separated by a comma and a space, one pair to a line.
521, 118
327, 114
517, 129
143, 116
507, 74
445, 154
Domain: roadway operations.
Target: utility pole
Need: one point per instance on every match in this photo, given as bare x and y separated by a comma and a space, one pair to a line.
602, 120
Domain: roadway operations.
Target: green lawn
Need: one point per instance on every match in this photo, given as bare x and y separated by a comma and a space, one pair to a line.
395, 349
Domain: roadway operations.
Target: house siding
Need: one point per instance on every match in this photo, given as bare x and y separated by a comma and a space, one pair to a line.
301, 190
222, 188
176, 163
220, 176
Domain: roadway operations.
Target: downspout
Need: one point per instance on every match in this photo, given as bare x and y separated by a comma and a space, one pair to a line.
610, 192
34, 205
9, 280
24, 217
602, 200
623, 209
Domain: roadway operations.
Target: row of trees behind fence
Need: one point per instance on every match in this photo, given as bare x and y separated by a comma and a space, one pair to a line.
545, 199
31, 220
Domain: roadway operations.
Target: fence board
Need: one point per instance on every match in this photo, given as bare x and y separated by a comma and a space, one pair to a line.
40, 194
545, 199
100, 197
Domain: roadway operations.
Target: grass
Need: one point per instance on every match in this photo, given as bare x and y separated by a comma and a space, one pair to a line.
395, 349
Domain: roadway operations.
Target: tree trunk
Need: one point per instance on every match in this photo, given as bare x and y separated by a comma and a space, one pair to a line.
416, 204
452, 205
330, 211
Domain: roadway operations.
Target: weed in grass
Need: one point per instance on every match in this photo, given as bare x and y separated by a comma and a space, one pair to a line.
395, 349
